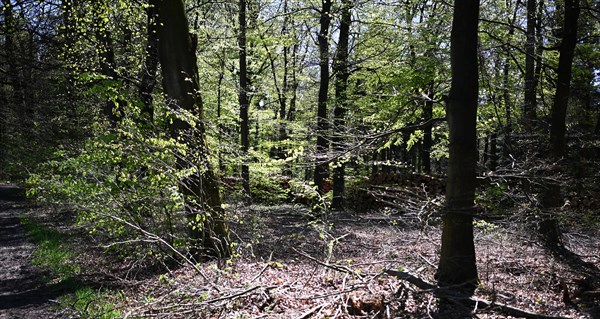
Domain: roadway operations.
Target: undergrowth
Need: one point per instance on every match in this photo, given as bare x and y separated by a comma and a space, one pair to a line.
55, 256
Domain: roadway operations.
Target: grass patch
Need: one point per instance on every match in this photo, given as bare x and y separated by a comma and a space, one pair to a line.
51, 253
91, 303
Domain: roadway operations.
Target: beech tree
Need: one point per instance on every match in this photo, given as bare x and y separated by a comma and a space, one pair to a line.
177, 54
341, 70
530, 98
563, 81
457, 258
243, 96
321, 169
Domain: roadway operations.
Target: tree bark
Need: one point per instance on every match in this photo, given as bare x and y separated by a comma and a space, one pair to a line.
341, 103
150, 67
243, 98
294, 85
321, 170
177, 55
457, 260
530, 102
565, 64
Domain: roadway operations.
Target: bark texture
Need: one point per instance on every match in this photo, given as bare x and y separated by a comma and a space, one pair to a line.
530, 102
565, 65
457, 261
341, 103
321, 170
177, 54
243, 97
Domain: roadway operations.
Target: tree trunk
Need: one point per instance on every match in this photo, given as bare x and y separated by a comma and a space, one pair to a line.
150, 66
457, 260
530, 102
219, 102
321, 170
243, 98
341, 104
427, 137
294, 86
563, 82
177, 55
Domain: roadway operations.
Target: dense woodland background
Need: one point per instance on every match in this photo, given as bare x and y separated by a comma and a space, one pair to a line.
170, 130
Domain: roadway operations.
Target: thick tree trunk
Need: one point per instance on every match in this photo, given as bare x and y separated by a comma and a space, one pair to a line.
177, 54
321, 170
457, 260
341, 104
243, 98
530, 102
565, 64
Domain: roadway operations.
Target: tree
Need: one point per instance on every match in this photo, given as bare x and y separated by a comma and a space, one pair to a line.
177, 55
243, 97
457, 259
322, 124
563, 81
530, 99
150, 64
340, 68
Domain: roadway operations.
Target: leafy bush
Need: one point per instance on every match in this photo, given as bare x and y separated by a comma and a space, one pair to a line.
124, 185
267, 186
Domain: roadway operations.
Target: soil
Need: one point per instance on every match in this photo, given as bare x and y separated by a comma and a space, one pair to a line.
24, 291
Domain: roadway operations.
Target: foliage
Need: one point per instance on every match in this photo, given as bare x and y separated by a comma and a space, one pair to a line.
267, 186
124, 185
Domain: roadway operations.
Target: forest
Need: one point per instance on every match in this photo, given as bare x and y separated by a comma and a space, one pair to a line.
299, 159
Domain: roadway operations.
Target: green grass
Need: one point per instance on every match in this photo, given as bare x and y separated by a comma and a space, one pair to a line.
51, 253
91, 303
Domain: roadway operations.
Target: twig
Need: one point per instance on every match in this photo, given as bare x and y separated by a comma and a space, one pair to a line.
232, 296
311, 311
343, 269
264, 268
427, 261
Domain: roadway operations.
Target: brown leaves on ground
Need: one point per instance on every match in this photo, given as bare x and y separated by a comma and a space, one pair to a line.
292, 268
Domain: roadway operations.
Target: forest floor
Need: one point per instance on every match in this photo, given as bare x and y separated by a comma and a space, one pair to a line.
291, 267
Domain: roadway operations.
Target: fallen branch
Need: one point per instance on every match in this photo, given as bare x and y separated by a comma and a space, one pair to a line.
311, 311
444, 293
339, 268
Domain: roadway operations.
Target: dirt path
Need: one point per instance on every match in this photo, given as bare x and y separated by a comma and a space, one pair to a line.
23, 292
